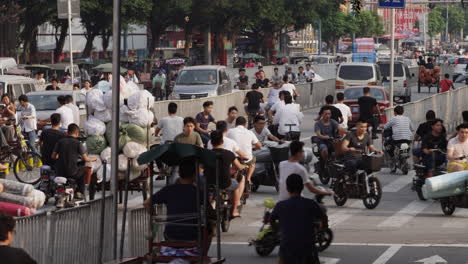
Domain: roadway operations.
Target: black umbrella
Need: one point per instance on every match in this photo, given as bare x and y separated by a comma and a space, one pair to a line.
173, 154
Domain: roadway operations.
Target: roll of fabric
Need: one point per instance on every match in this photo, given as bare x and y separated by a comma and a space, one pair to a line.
15, 209
445, 185
17, 188
18, 199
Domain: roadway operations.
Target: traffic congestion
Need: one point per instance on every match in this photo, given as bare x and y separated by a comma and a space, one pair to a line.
350, 151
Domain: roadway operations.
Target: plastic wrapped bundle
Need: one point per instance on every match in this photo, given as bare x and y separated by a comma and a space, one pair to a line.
123, 162
128, 132
106, 155
104, 86
124, 113
108, 100
100, 173
95, 127
105, 116
132, 88
95, 101
137, 166
133, 150
15, 210
445, 185
95, 165
141, 117
140, 100
28, 201
96, 144
15, 187
38, 198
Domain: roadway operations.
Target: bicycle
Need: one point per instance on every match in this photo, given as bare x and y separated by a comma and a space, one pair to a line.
26, 164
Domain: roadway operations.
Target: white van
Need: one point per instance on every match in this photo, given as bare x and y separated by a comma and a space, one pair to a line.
357, 74
15, 86
7, 63
401, 77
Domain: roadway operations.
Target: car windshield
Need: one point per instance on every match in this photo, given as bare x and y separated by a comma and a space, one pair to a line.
385, 69
44, 102
195, 77
355, 93
462, 61
355, 72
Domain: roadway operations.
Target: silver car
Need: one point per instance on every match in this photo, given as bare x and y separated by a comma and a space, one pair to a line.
201, 81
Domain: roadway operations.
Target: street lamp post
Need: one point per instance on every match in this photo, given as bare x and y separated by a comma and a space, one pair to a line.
392, 57
72, 72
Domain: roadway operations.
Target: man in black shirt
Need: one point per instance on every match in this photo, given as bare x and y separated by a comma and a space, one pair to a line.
297, 216
253, 99
262, 82
335, 112
423, 130
48, 139
243, 81
367, 104
10, 254
432, 141
67, 151
228, 162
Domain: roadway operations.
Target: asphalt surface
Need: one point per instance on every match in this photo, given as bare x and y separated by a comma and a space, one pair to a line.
401, 229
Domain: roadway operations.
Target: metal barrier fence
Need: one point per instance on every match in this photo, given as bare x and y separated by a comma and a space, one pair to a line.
67, 236
138, 230
447, 106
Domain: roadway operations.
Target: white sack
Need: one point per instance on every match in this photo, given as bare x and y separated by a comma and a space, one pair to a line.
105, 116
106, 155
140, 100
133, 150
95, 127
123, 162
95, 100
95, 165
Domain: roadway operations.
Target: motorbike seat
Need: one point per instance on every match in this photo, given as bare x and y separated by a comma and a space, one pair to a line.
60, 180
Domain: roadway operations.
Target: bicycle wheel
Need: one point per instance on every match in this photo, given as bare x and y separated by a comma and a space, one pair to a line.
27, 167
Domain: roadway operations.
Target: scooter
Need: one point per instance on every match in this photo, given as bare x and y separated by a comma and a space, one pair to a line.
322, 167
421, 174
362, 184
401, 154
269, 236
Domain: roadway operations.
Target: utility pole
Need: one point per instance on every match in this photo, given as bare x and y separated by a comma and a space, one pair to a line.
72, 72
446, 23
392, 57
207, 40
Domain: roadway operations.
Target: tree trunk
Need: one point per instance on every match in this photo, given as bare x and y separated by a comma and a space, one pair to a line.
154, 42
89, 45
60, 42
105, 41
188, 39
33, 48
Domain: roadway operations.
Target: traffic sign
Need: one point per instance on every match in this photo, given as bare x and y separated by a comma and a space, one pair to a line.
391, 4
62, 8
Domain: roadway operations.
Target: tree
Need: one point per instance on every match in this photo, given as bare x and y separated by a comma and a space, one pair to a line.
436, 23
337, 25
368, 24
10, 13
457, 20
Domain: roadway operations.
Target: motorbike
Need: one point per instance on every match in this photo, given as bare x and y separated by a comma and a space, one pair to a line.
362, 184
401, 154
421, 174
322, 167
269, 236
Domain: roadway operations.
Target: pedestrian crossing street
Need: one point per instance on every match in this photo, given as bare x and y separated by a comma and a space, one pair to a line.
399, 209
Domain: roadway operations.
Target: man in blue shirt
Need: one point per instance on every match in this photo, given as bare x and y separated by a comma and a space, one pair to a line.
296, 217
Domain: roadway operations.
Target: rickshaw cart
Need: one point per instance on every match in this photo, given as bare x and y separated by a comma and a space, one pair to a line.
429, 77
172, 155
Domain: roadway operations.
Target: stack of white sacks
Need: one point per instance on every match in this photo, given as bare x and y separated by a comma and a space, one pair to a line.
135, 119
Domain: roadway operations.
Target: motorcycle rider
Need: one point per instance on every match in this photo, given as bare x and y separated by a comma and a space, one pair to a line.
401, 129
335, 112
292, 166
261, 132
355, 144
228, 144
296, 215
290, 114
437, 139
326, 129
423, 130
67, 151
367, 104
458, 148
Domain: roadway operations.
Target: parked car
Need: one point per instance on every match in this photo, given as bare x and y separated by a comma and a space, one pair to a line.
46, 104
357, 74
352, 95
6, 64
15, 85
460, 67
402, 76
201, 81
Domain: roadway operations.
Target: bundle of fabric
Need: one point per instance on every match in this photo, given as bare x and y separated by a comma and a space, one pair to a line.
446, 185
17, 195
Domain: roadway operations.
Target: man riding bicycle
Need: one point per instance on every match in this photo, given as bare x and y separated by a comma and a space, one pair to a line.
355, 144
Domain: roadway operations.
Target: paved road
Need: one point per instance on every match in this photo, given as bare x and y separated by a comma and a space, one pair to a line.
401, 229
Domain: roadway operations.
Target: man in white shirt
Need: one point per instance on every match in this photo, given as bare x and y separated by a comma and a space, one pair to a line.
287, 86
288, 115
344, 109
292, 166
76, 111
87, 87
28, 121
457, 150
273, 95
228, 144
170, 126
66, 114
246, 141
278, 105
310, 74
261, 132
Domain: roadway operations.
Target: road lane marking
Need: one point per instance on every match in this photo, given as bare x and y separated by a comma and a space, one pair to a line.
344, 214
460, 220
398, 184
387, 255
405, 215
